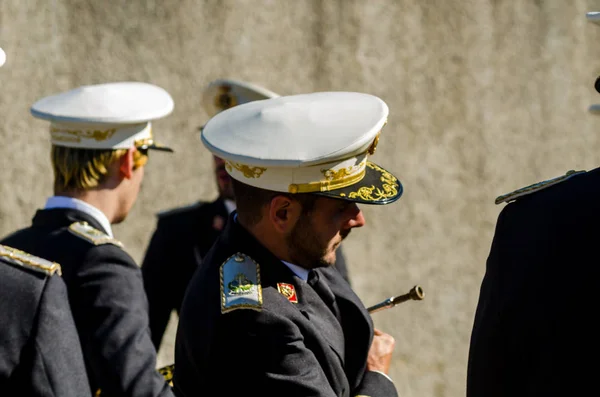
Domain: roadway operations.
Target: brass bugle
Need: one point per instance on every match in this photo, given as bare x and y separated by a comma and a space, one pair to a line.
416, 293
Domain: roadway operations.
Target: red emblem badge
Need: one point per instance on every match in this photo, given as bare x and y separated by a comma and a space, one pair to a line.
289, 291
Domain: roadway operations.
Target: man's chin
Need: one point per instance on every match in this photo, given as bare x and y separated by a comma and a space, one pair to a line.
329, 259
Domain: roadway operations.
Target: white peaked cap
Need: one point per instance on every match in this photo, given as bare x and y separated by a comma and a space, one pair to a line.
311, 143
223, 94
105, 116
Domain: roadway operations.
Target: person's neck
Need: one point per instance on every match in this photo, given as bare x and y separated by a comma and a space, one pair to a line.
103, 199
267, 239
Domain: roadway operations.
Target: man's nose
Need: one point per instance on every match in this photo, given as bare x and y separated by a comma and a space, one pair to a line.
357, 219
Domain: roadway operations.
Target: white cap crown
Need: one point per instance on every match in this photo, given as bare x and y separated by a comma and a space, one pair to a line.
305, 143
104, 116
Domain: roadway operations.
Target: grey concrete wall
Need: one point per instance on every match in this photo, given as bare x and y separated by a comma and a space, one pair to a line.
486, 96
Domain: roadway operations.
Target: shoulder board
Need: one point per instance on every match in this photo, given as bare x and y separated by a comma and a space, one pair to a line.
93, 235
179, 210
240, 284
23, 259
536, 187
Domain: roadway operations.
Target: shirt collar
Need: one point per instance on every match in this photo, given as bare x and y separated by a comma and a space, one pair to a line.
76, 204
298, 271
229, 205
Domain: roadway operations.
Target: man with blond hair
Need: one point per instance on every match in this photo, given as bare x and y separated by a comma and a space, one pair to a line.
100, 136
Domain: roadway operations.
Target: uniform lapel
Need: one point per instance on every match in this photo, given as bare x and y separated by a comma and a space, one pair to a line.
320, 316
356, 322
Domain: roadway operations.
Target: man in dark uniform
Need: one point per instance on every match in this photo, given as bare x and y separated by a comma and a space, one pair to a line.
532, 334
40, 354
183, 236
100, 140
267, 307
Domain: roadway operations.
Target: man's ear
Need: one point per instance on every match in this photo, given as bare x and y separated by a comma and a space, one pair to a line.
284, 213
126, 163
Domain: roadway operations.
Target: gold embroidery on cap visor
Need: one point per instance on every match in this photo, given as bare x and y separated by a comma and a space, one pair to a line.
384, 189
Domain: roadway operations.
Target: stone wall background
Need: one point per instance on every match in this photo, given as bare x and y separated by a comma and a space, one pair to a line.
485, 96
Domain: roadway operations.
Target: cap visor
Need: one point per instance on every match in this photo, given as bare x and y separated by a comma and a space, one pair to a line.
377, 187
162, 148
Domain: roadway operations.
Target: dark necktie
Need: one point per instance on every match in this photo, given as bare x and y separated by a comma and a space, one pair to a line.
323, 290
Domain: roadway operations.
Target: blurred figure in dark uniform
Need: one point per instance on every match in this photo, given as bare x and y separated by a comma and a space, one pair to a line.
100, 137
183, 236
267, 306
40, 353
533, 333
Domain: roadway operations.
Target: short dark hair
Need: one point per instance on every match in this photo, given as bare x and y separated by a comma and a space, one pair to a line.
250, 200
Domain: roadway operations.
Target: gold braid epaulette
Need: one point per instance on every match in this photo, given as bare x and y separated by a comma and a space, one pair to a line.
535, 187
93, 235
28, 261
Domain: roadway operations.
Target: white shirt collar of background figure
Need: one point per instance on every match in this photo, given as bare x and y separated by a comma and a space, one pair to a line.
229, 206
73, 203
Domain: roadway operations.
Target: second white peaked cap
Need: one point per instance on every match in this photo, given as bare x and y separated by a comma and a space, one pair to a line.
105, 116
311, 143
223, 94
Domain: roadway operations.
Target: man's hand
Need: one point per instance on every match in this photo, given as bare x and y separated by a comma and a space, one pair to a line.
380, 353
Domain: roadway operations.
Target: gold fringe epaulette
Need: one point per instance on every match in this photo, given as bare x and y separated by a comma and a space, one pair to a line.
23, 259
536, 187
93, 235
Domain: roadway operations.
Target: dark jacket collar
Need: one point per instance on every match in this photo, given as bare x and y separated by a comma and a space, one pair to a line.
63, 217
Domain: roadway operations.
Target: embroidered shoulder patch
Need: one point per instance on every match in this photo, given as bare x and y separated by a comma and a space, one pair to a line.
21, 258
536, 187
93, 235
240, 284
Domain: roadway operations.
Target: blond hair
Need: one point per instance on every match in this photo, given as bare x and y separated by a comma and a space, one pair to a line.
83, 169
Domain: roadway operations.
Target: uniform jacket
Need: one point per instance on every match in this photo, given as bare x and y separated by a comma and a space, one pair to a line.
107, 298
533, 332
178, 246
40, 354
294, 349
